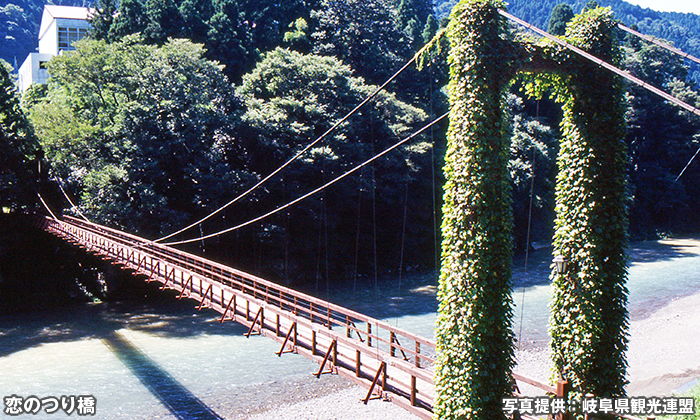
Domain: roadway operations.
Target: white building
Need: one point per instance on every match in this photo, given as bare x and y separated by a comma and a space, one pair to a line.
61, 26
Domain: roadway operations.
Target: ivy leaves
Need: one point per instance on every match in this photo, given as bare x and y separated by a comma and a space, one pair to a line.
475, 353
589, 317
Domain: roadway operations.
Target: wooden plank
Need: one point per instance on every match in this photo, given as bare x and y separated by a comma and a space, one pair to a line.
309, 321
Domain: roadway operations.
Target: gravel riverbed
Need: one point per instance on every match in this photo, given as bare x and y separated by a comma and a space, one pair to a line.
663, 354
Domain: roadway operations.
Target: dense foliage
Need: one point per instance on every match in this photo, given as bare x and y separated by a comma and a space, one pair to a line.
136, 131
374, 38
150, 132
682, 29
474, 338
19, 148
589, 316
661, 139
291, 98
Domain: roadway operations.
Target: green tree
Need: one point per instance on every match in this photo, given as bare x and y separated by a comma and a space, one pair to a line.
430, 29
230, 38
195, 16
532, 168
17, 31
164, 21
661, 139
137, 131
473, 329
591, 5
19, 148
363, 34
130, 19
561, 15
418, 10
292, 98
102, 18
298, 36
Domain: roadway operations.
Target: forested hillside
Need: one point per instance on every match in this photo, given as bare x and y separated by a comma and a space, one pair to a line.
682, 29
170, 109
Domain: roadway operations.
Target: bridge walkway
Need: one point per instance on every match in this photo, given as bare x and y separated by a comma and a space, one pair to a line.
391, 363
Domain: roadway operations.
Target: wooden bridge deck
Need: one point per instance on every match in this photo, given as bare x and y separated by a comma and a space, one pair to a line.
389, 362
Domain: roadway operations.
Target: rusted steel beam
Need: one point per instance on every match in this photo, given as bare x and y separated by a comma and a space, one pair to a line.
231, 301
167, 278
184, 288
260, 316
153, 269
204, 297
300, 315
332, 350
293, 328
382, 368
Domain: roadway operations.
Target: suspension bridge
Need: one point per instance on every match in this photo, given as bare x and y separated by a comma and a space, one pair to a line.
389, 362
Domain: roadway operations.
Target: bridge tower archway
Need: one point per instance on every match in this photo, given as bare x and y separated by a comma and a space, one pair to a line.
589, 317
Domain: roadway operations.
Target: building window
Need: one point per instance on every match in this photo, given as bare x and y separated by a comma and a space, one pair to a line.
42, 64
67, 36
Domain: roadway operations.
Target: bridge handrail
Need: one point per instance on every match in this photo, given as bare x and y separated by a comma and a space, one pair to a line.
97, 236
320, 309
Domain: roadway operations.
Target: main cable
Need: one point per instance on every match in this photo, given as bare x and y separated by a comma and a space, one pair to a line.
686, 166
46, 206
659, 43
317, 190
603, 63
73, 206
304, 150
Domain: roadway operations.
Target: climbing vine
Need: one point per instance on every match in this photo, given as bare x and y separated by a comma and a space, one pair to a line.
589, 321
474, 338
589, 317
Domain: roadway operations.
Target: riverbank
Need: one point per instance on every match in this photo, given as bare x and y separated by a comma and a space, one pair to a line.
663, 352
141, 356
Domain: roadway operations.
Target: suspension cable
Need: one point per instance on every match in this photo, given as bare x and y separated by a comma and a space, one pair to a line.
46, 206
73, 206
529, 226
603, 64
686, 166
301, 152
319, 189
659, 43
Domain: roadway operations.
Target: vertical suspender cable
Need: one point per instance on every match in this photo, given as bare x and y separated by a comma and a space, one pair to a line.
325, 244
527, 236
321, 188
301, 152
286, 248
201, 235
436, 245
403, 242
320, 236
357, 237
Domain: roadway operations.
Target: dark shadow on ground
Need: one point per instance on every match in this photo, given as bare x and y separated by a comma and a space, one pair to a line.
167, 317
182, 403
654, 251
102, 321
